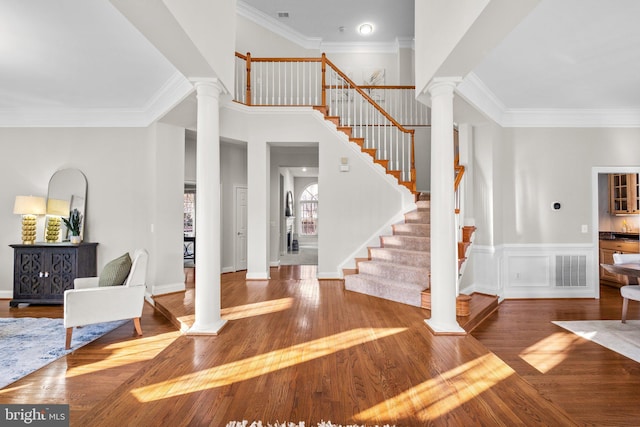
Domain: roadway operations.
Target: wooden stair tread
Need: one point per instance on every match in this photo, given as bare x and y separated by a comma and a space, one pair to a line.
481, 306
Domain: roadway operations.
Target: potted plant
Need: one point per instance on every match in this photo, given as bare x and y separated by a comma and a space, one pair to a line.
73, 224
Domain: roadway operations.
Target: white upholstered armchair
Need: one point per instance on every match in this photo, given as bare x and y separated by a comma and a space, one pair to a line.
88, 303
631, 290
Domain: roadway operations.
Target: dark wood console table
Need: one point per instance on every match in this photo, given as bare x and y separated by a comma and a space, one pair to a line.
43, 271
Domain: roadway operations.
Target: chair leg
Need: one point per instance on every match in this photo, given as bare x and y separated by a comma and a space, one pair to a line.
67, 344
625, 305
136, 324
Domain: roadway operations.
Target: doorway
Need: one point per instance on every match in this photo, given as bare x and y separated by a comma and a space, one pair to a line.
300, 217
606, 224
240, 228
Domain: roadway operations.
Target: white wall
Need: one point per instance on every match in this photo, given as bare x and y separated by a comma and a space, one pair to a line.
518, 174
233, 174
190, 152
130, 181
356, 64
260, 42
365, 192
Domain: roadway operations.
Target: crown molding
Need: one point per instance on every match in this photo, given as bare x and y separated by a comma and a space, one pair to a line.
359, 47
277, 27
563, 117
175, 89
473, 90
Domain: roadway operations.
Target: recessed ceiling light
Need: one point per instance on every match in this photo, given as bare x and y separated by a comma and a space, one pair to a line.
365, 29
304, 169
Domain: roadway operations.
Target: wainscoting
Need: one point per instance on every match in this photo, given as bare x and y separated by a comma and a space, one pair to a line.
535, 271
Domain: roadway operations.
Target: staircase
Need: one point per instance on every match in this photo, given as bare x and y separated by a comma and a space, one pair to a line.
398, 270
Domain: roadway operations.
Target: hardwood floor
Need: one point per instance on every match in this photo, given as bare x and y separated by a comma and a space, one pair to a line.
295, 349
593, 384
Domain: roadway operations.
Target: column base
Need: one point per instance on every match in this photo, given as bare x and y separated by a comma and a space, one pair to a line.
207, 329
444, 328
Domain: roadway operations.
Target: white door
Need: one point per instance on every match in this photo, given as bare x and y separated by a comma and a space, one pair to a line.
241, 228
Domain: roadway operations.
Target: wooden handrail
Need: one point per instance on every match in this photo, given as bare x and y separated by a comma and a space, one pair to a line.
459, 173
386, 87
324, 79
368, 98
287, 59
248, 58
323, 61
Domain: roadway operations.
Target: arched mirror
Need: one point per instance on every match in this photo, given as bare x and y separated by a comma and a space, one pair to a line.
67, 192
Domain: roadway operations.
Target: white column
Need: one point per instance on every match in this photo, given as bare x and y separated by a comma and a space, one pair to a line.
259, 188
444, 247
207, 291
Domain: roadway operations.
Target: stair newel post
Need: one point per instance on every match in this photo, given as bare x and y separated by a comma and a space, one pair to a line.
248, 78
324, 79
412, 171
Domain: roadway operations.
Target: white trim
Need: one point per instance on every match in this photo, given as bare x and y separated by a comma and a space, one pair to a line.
6, 294
277, 27
329, 276
473, 90
528, 271
167, 288
258, 276
595, 220
175, 89
227, 270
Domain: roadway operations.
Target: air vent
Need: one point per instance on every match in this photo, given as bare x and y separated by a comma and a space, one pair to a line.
571, 271
283, 14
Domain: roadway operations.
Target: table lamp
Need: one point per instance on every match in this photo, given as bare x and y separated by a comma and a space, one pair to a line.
29, 207
56, 208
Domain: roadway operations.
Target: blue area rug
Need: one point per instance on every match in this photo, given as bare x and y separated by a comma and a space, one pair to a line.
28, 344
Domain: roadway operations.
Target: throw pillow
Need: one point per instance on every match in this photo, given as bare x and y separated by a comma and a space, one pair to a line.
116, 271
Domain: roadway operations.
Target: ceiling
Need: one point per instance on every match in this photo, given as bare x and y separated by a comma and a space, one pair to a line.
567, 55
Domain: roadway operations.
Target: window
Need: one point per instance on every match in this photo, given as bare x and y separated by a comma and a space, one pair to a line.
309, 210
189, 213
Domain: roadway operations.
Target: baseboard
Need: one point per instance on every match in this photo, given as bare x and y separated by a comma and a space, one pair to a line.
6, 294
274, 263
258, 276
227, 270
329, 276
167, 288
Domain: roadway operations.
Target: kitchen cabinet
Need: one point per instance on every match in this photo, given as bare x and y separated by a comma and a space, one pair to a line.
624, 194
42, 272
610, 247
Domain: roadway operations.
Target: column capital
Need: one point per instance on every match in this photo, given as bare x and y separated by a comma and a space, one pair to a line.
208, 86
442, 85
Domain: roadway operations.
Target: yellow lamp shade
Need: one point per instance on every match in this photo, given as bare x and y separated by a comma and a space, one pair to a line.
29, 205
57, 207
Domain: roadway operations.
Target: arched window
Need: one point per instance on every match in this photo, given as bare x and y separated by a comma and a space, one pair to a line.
309, 210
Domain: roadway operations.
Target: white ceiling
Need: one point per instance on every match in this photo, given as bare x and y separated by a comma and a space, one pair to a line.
70, 61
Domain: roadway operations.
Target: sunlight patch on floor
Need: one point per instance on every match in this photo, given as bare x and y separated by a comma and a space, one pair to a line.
252, 367
438, 396
130, 351
256, 309
548, 353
